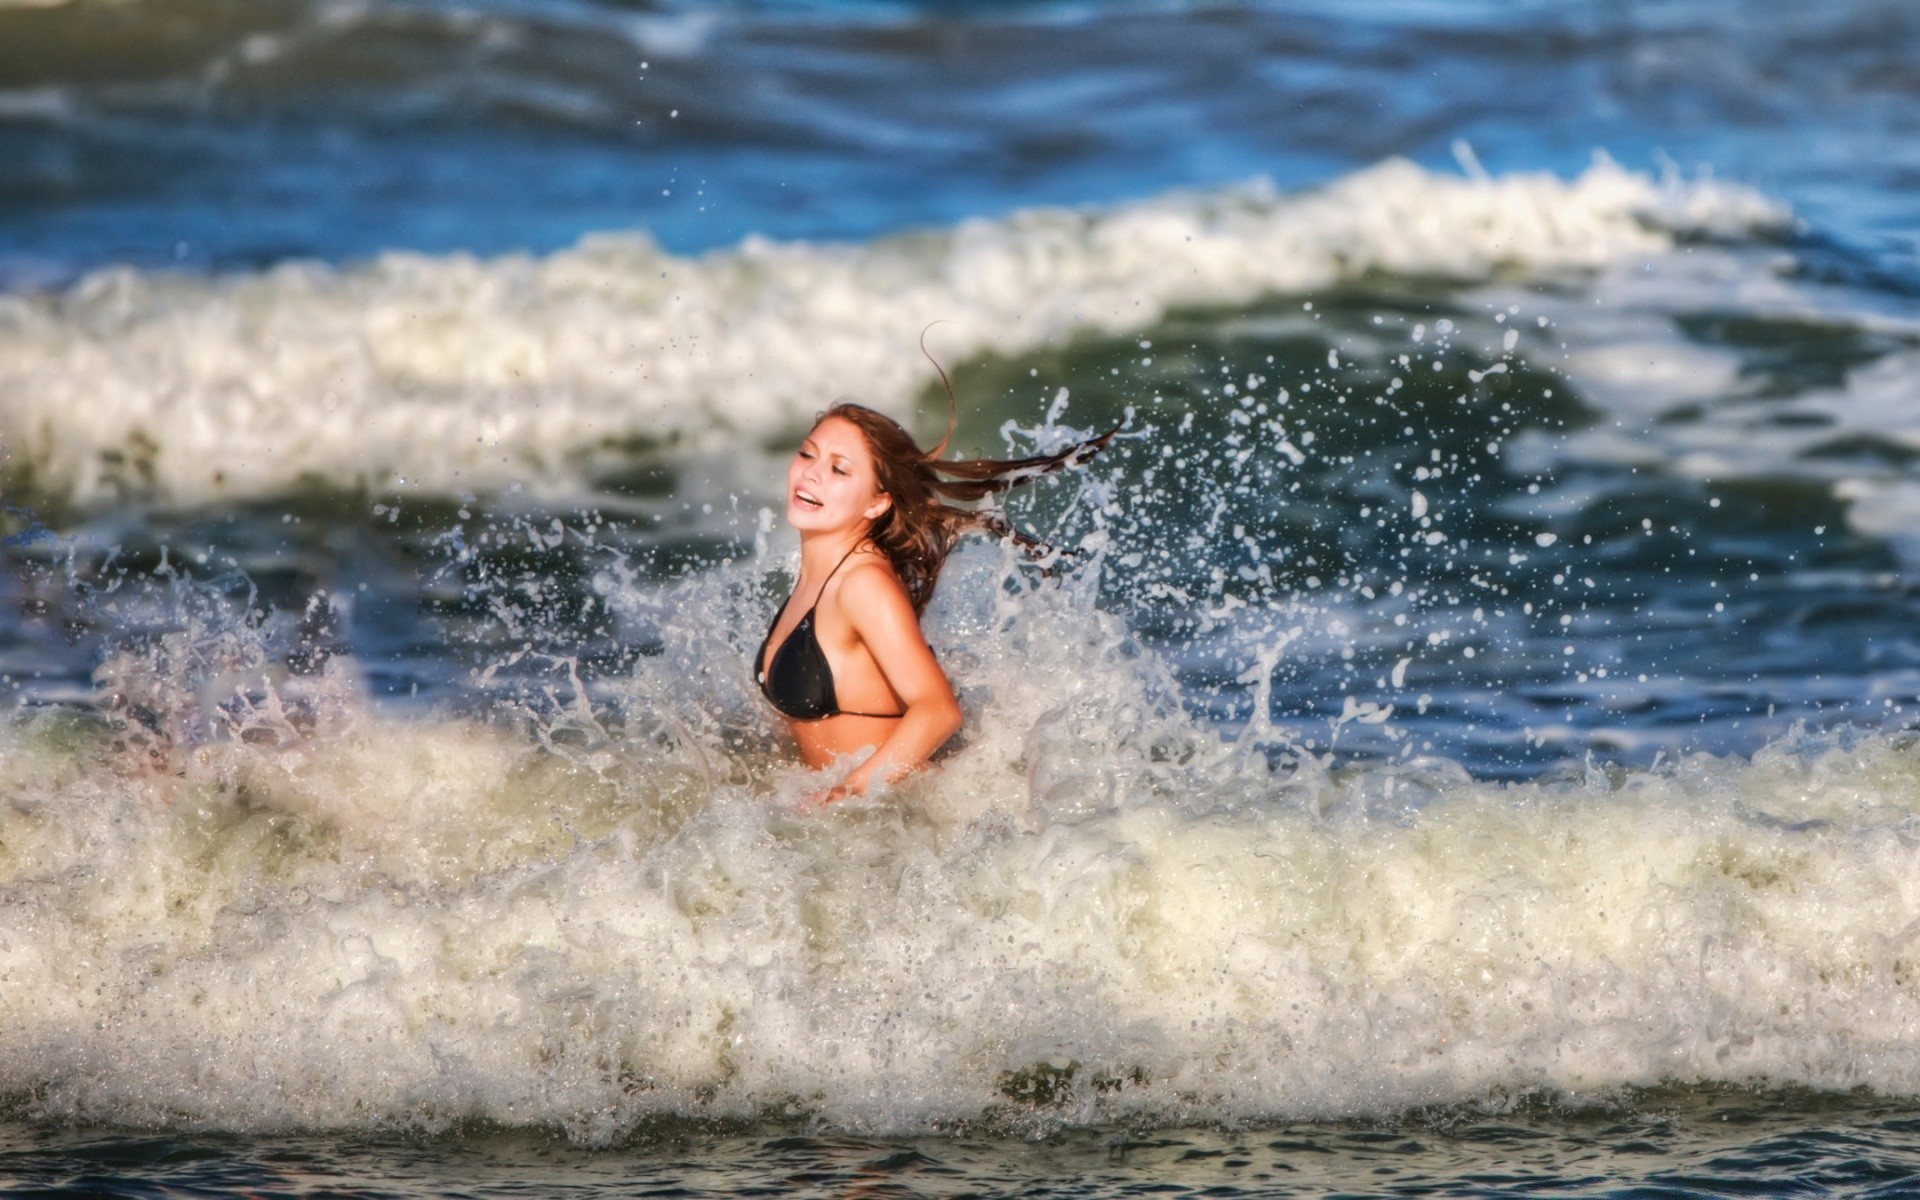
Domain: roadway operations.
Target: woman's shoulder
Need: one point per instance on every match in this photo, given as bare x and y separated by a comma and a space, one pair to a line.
868, 578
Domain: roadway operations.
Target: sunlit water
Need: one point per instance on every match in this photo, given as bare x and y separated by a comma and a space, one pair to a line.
1465, 748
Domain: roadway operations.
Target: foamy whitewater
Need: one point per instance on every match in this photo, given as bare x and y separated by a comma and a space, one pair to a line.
1467, 741
457, 373
247, 899
1196, 857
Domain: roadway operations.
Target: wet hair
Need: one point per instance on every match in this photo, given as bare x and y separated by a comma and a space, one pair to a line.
922, 525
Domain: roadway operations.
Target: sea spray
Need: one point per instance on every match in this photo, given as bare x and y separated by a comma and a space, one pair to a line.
1212, 845
1099, 907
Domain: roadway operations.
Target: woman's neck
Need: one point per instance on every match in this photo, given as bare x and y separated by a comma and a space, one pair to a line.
821, 552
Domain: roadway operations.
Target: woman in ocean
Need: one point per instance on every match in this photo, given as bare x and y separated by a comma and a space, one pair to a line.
844, 660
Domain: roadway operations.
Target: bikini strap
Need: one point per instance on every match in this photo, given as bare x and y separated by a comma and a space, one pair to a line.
836, 570
843, 712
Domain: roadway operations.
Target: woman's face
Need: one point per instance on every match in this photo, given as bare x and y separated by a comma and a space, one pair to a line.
831, 482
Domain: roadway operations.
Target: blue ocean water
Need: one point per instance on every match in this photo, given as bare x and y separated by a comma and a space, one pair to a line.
232, 137
1472, 752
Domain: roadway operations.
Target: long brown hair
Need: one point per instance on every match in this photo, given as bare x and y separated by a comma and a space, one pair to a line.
920, 528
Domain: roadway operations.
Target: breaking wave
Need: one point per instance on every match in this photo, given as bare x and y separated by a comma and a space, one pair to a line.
456, 373
239, 895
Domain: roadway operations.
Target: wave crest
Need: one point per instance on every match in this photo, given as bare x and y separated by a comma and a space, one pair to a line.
456, 373
1099, 910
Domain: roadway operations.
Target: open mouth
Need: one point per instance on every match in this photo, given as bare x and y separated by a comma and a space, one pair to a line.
806, 498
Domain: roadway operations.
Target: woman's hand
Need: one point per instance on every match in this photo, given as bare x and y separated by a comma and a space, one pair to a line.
839, 791
855, 784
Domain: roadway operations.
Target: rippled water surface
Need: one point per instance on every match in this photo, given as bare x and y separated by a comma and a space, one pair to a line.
1711, 1145
1469, 750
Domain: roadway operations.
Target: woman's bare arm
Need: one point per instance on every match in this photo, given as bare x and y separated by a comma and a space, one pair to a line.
877, 607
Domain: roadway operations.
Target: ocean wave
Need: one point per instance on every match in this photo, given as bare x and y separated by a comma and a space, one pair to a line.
245, 898
455, 373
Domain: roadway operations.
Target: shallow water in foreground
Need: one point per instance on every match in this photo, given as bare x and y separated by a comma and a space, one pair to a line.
1665, 1144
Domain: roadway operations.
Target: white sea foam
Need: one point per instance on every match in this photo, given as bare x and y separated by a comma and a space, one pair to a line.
317, 914
455, 373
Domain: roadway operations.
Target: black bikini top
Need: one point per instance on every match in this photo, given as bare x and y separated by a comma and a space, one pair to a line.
799, 681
